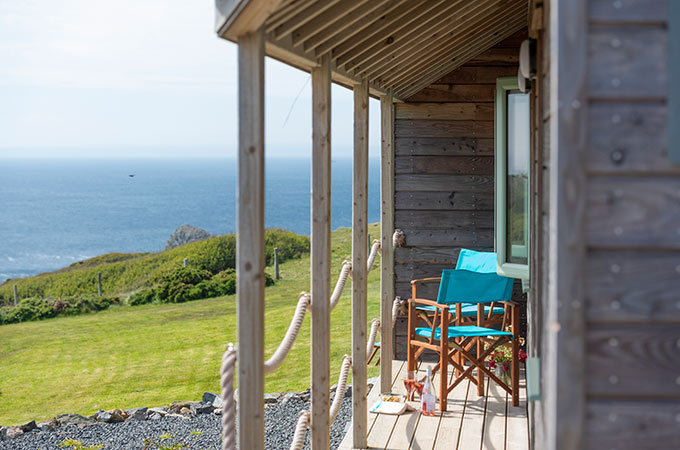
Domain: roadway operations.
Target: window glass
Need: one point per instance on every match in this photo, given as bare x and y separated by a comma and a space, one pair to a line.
517, 192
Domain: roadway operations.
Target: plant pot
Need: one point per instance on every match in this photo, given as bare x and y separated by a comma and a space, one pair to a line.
505, 376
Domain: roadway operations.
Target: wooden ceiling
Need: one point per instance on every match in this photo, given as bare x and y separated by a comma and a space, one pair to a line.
403, 45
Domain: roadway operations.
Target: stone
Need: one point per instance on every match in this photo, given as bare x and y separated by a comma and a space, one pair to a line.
202, 408
213, 399
217, 411
29, 426
185, 411
154, 415
73, 419
176, 407
13, 432
184, 235
137, 413
162, 410
50, 425
109, 416
288, 397
272, 398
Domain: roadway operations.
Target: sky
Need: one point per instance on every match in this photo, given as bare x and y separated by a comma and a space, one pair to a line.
142, 78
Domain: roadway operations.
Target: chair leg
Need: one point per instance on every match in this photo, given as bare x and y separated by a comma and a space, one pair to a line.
459, 360
480, 374
515, 372
443, 376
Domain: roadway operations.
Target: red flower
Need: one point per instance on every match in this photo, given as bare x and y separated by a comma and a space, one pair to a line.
522, 356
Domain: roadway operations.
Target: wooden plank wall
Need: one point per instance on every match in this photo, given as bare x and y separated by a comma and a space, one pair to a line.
633, 232
444, 170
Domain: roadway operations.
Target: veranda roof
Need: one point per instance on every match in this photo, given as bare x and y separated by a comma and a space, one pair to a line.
402, 45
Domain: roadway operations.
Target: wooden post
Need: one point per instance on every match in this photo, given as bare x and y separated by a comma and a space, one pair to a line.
185, 262
320, 267
359, 256
99, 283
386, 232
565, 374
276, 262
250, 241
16, 296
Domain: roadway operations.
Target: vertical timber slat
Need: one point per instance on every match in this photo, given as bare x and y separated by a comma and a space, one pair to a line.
321, 253
674, 86
386, 231
250, 241
359, 272
565, 361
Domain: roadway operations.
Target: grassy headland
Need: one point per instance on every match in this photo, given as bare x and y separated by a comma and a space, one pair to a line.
153, 354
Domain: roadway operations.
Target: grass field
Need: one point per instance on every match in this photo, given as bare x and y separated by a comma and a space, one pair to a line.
151, 355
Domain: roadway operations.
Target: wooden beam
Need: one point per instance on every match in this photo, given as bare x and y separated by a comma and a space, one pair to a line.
235, 18
347, 20
429, 37
359, 257
673, 87
304, 16
362, 61
386, 231
250, 241
284, 14
472, 42
465, 30
398, 21
373, 20
331, 16
424, 79
565, 374
320, 262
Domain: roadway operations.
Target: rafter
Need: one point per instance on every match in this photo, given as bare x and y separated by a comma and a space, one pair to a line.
330, 17
307, 14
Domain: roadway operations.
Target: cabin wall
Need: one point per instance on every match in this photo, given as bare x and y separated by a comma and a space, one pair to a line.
632, 269
444, 171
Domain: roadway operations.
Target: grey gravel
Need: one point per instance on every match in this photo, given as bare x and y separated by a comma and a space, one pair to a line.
280, 420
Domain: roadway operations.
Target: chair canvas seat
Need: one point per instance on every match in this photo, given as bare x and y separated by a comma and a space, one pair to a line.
461, 331
467, 309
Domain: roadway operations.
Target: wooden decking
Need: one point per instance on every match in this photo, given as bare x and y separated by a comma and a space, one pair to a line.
471, 422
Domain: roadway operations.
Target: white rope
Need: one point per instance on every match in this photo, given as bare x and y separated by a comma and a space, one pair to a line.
375, 326
375, 248
396, 305
291, 334
345, 272
228, 402
300, 431
398, 238
342, 387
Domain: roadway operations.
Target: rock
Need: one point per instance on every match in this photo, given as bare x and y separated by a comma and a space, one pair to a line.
50, 425
213, 399
137, 413
114, 416
13, 432
217, 411
162, 410
184, 235
373, 381
176, 407
185, 411
73, 419
29, 426
155, 415
202, 408
272, 398
288, 397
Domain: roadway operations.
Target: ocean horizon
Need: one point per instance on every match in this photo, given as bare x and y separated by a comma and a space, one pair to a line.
59, 211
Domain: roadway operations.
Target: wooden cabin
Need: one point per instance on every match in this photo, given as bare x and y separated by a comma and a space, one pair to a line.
594, 235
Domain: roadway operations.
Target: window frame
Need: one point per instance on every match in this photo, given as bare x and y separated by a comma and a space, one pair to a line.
503, 267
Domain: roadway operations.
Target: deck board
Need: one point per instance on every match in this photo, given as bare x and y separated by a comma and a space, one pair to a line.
471, 422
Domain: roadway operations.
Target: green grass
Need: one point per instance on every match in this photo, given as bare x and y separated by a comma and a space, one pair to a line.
150, 355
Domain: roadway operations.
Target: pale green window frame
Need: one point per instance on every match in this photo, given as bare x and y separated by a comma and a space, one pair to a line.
504, 267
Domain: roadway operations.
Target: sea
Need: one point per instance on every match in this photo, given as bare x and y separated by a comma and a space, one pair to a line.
54, 212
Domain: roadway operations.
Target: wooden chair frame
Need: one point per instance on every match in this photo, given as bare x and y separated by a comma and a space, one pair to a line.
453, 351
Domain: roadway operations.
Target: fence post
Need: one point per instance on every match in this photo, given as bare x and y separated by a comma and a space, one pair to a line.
16, 295
276, 262
99, 283
186, 261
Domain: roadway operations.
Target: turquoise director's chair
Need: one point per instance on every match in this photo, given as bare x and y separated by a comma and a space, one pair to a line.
460, 289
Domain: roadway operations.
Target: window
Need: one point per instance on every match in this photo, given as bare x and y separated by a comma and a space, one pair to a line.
512, 155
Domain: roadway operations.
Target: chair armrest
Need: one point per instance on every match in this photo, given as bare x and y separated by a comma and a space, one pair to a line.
511, 304
423, 301
423, 280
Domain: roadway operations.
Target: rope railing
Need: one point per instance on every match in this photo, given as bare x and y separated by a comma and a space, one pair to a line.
229, 359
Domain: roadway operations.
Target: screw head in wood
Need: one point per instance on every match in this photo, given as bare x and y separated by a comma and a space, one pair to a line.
615, 305
613, 379
618, 231
616, 82
617, 4
615, 268
616, 43
613, 342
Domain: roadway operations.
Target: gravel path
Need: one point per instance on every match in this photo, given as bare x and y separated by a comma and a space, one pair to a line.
198, 433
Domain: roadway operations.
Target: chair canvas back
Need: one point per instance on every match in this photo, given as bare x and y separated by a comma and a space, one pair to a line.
482, 262
465, 286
